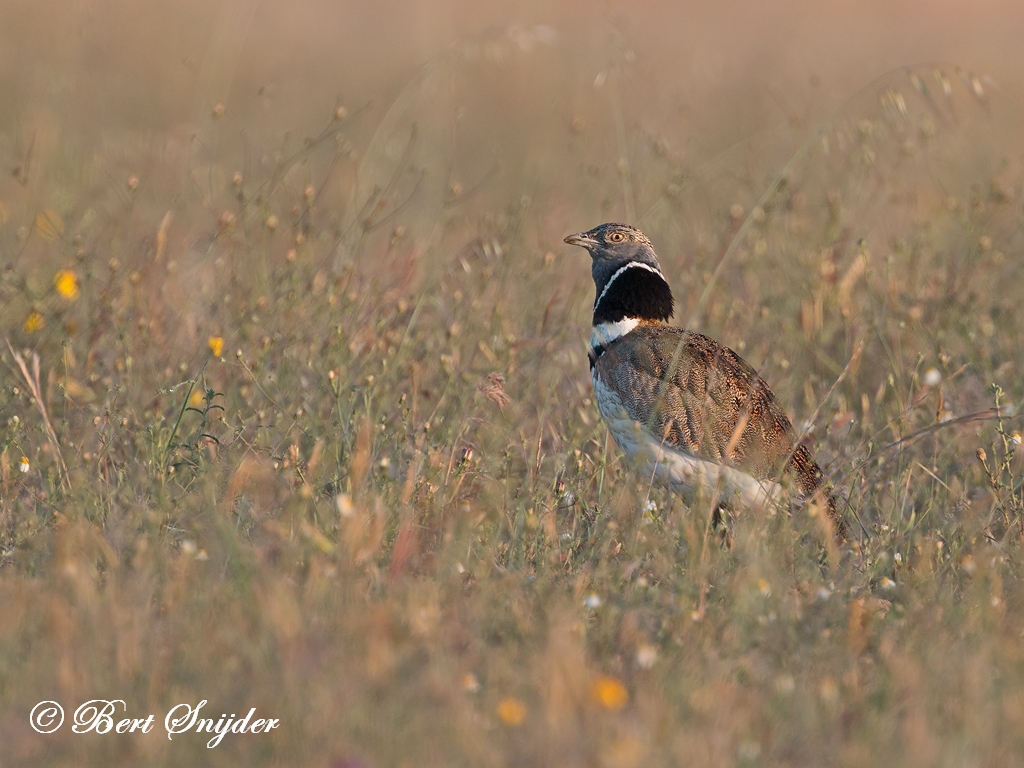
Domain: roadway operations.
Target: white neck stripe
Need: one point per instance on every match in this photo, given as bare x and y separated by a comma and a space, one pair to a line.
619, 271
603, 334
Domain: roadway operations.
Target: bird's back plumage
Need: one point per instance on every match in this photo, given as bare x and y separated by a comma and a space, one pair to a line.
702, 398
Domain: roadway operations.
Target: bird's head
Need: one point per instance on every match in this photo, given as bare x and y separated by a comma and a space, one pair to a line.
640, 291
613, 245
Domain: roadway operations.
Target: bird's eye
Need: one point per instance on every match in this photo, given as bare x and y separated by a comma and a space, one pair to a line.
617, 237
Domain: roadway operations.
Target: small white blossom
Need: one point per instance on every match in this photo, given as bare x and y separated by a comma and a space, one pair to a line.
646, 656
344, 504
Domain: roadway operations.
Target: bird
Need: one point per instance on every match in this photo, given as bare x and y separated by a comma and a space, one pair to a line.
687, 410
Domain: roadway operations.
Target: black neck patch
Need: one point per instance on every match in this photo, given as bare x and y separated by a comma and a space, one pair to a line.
634, 292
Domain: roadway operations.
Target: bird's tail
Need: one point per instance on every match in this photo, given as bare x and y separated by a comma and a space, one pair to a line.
811, 482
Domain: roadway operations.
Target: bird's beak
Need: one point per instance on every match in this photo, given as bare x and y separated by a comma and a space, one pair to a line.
581, 239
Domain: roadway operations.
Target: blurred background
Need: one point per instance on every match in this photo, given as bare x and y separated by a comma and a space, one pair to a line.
153, 63
136, 82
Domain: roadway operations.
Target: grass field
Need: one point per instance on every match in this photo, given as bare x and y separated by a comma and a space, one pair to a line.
295, 411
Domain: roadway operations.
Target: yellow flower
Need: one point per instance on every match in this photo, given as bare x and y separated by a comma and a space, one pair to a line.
609, 692
216, 345
66, 283
34, 322
24, 466
511, 711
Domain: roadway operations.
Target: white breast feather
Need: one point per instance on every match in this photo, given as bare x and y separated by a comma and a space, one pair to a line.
603, 334
688, 475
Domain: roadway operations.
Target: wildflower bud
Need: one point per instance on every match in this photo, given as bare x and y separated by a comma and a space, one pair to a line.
66, 283
981, 454
345, 506
32, 323
609, 692
340, 114
511, 711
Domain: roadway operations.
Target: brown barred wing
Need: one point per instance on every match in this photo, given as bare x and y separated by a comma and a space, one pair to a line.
703, 398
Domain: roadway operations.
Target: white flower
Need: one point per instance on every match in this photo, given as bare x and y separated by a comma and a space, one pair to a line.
646, 656
345, 506
24, 466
